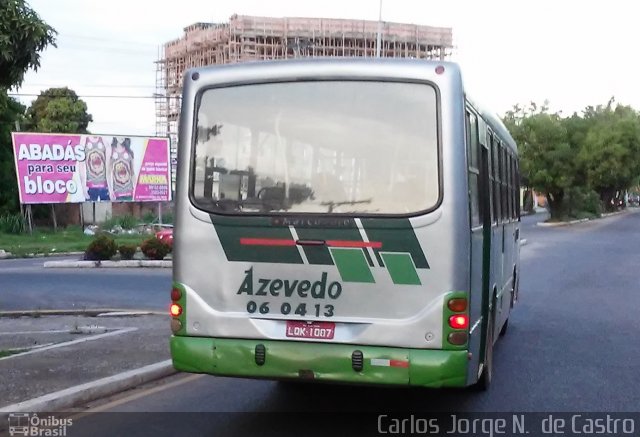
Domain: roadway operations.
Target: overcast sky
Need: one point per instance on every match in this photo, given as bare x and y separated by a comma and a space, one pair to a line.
573, 53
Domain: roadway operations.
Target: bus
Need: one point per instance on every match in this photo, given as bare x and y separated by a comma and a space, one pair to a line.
342, 220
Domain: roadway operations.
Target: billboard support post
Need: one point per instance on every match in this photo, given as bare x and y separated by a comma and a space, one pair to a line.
81, 209
29, 219
53, 216
160, 213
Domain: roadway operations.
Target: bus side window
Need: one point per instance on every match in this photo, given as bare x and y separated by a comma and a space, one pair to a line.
512, 185
495, 165
474, 172
489, 188
509, 189
503, 183
517, 188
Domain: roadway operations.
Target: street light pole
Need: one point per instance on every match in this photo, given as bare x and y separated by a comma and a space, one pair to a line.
379, 40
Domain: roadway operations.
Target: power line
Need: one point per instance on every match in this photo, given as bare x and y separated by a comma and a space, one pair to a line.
95, 96
103, 48
88, 85
93, 38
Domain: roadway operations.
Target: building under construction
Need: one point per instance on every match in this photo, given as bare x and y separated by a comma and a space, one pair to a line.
246, 38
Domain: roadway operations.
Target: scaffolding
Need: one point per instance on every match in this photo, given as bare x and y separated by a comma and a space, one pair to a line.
248, 38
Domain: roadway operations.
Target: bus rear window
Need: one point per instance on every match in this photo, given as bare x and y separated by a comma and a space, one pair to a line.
340, 147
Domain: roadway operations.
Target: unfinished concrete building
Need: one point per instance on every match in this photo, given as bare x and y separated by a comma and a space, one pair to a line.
247, 38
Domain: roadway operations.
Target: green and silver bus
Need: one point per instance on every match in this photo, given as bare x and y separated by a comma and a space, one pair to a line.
342, 220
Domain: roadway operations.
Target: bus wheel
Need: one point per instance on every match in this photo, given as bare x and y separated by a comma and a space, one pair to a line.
487, 369
504, 328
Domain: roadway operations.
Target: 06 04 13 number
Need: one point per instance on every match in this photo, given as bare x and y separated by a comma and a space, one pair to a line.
286, 309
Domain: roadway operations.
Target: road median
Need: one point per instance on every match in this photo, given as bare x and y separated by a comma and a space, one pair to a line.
108, 264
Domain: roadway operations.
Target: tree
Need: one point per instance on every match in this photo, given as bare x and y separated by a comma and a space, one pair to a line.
58, 110
611, 151
10, 112
580, 162
23, 35
546, 157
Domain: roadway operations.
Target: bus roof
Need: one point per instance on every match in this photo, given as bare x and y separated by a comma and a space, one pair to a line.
493, 121
489, 117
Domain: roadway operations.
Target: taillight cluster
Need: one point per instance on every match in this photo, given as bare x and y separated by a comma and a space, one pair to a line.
459, 321
175, 309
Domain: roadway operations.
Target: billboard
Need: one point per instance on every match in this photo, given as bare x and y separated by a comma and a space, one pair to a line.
75, 168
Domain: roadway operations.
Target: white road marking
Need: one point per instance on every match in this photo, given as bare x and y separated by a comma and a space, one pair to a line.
69, 343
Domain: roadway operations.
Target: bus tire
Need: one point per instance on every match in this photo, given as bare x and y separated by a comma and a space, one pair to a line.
504, 328
484, 382
515, 288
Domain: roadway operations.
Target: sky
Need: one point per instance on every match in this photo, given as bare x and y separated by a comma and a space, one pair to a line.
570, 52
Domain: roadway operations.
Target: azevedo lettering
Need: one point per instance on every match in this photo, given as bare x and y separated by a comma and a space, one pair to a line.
320, 289
42, 183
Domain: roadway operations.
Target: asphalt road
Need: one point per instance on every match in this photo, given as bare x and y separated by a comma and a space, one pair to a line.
571, 346
26, 285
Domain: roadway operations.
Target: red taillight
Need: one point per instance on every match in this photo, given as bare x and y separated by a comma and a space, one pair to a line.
176, 294
175, 309
459, 321
458, 304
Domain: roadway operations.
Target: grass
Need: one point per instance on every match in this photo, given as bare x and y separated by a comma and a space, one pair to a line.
47, 242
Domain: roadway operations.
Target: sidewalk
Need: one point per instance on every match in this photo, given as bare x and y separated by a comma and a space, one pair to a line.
48, 354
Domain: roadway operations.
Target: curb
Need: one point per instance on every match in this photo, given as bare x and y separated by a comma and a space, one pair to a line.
573, 222
108, 264
557, 224
98, 312
91, 391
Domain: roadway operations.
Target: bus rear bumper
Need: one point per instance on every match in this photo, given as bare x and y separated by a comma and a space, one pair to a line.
329, 362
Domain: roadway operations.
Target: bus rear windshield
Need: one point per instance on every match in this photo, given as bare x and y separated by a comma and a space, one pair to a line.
339, 147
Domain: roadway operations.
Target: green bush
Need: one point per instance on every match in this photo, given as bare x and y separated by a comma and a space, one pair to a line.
74, 229
154, 248
127, 251
102, 248
583, 202
148, 217
124, 221
127, 221
12, 224
167, 218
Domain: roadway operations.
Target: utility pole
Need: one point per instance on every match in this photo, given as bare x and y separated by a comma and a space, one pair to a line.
379, 39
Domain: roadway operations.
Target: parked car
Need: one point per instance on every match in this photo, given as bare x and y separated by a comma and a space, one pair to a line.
166, 236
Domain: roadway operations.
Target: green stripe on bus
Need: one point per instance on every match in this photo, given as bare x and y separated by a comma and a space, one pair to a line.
401, 268
320, 254
235, 251
396, 235
352, 265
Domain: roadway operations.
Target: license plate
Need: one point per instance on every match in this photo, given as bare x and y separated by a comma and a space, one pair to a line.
320, 330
